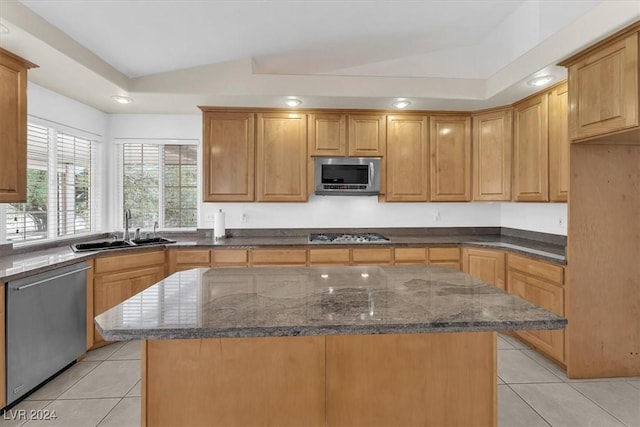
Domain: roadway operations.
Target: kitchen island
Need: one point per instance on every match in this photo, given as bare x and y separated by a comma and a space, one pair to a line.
320, 346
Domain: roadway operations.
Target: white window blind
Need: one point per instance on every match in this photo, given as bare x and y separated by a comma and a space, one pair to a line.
160, 184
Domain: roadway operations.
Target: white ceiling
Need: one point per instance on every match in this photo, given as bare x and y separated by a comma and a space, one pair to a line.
171, 56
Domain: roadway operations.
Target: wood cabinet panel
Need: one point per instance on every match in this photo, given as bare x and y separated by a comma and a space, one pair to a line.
185, 259
492, 153
228, 155
531, 148
603, 88
229, 257
327, 256
558, 144
127, 261
371, 256
444, 254
407, 158
450, 165
282, 157
550, 272
367, 135
327, 134
485, 264
410, 256
13, 131
270, 257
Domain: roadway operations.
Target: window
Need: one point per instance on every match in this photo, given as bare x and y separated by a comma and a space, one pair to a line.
60, 196
160, 184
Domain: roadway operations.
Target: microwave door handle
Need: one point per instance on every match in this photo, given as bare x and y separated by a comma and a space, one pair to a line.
371, 172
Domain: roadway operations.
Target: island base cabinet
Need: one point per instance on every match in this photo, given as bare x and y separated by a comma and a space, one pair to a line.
444, 379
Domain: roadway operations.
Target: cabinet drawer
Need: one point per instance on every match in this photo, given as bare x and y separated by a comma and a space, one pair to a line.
260, 257
329, 256
450, 264
192, 257
410, 255
543, 270
371, 255
229, 257
128, 261
444, 254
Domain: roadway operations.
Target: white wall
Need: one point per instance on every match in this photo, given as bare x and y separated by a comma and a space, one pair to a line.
542, 217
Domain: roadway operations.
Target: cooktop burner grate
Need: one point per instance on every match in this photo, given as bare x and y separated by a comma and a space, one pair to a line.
347, 238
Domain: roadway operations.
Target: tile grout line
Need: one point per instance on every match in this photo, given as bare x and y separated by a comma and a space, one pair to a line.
598, 405
529, 405
110, 410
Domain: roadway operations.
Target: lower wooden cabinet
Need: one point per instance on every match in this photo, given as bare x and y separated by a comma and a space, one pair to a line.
229, 257
541, 284
119, 277
485, 264
278, 257
445, 257
410, 256
185, 259
371, 256
329, 256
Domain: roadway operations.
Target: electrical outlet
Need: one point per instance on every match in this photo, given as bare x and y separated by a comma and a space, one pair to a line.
243, 217
436, 216
561, 222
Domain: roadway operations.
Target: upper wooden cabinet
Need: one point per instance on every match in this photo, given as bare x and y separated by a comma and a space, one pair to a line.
558, 144
282, 157
450, 166
603, 87
531, 146
492, 143
13, 130
407, 158
327, 134
228, 156
367, 135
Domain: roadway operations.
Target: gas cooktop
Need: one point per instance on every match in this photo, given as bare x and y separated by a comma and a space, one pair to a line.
347, 238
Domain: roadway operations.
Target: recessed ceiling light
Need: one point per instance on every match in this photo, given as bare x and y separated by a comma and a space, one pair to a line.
3, 29
293, 102
401, 103
122, 99
540, 81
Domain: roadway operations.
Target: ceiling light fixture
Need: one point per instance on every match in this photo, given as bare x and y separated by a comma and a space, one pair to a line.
293, 102
3, 29
122, 99
540, 81
401, 103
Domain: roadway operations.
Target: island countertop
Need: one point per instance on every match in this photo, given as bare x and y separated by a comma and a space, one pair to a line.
260, 302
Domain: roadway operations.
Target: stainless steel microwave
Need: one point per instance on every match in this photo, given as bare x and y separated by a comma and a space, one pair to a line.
347, 176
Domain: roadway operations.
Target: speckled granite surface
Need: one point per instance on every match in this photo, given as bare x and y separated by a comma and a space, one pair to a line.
257, 302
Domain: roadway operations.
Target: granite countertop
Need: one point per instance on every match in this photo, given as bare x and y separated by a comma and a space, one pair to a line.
259, 302
13, 267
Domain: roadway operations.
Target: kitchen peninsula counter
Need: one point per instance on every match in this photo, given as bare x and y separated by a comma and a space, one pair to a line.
320, 346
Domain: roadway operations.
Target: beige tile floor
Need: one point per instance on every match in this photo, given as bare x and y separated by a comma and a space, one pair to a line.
104, 390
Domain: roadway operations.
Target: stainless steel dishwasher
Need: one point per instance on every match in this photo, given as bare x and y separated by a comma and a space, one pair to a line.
46, 326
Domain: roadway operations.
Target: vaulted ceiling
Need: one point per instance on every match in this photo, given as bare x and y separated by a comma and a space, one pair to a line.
170, 55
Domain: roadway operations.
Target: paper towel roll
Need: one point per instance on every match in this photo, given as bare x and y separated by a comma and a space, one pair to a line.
219, 231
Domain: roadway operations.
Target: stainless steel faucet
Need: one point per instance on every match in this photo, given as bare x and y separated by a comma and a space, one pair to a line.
127, 217
155, 227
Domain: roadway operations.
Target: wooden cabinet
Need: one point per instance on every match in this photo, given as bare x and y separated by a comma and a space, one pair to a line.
531, 147
185, 259
327, 134
487, 265
367, 135
492, 148
13, 131
229, 257
228, 156
539, 283
329, 256
282, 157
278, 257
119, 277
407, 158
450, 154
410, 256
371, 256
558, 144
603, 87
445, 257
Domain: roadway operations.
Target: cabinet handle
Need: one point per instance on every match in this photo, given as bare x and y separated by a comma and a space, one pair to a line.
48, 279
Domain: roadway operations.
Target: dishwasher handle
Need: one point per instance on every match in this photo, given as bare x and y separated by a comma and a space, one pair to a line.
48, 279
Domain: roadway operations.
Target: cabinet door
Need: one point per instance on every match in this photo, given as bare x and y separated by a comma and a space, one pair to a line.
185, 259
531, 145
450, 147
548, 296
282, 157
444, 257
229, 257
558, 145
371, 256
327, 134
13, 131
278, 257
603, 89
485, 264
367, 135
228, 157
492, 143
411, 256
406, 158
329, 256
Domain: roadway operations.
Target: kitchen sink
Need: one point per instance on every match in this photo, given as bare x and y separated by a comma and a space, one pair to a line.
119, 244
